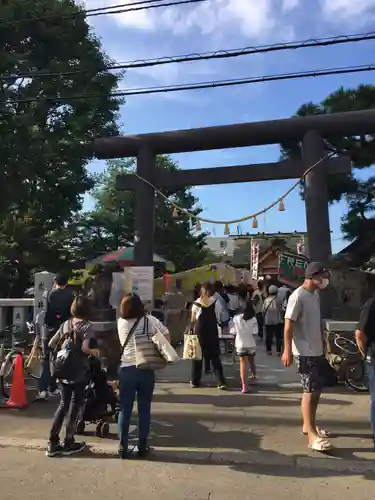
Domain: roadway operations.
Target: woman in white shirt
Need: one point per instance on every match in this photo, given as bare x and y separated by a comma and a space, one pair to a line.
132, 323
245, 328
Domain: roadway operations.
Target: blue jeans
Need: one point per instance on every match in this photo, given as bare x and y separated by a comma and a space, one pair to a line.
371, 376
134, 381
46, 381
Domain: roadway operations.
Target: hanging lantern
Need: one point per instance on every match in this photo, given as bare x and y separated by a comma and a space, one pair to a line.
175, 212
198, 225
255, 223
281, 206
227, 230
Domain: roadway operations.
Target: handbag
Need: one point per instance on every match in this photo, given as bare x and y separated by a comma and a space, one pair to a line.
192, 347
165, 349
147, 354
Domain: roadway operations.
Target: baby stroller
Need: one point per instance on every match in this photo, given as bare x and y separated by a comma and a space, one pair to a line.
101, 405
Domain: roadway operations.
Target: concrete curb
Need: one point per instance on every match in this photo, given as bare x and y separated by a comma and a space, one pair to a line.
254, 458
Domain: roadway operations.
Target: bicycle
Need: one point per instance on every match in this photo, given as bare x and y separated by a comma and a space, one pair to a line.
348, 362
16, 344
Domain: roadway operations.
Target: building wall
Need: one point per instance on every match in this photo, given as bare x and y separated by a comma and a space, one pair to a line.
265, 240
221, 245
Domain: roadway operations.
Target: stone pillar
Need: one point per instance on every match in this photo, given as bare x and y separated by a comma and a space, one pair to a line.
317, 213
145, 209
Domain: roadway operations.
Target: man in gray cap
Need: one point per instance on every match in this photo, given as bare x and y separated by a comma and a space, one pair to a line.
303, 341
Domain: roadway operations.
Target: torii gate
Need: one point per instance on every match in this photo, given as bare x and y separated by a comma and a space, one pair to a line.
309, 130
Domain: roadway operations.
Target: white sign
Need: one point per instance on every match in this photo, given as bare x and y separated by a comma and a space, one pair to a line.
301, 246
42, 284
117, 290
254, 260
140, 280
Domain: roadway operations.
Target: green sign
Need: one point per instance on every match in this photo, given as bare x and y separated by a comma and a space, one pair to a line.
291, 268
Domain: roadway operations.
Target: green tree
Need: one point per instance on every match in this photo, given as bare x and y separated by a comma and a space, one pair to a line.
46, 144
359, 194
111, 223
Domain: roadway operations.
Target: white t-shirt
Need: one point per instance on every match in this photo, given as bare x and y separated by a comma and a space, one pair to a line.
304, 310
125, 325
196, 310
244, 332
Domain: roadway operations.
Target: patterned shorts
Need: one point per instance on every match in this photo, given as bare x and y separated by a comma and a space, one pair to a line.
312, 370
245, 351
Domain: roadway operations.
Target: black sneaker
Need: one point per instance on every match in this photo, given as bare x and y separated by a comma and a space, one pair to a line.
53, 449
72, 448
144, 451
124, 454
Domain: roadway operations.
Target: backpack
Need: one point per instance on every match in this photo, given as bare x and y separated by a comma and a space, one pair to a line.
71, 362
206, 321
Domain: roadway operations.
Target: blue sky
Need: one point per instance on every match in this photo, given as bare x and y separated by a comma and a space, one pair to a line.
230, 24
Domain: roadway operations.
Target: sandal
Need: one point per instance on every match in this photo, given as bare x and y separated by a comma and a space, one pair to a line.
322, 433
320, 445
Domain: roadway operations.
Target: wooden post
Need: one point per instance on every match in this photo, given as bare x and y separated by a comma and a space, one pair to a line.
317, 213
145, 209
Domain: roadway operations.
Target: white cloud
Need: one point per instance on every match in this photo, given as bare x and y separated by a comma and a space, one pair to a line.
251, 18
289, 5
347, 10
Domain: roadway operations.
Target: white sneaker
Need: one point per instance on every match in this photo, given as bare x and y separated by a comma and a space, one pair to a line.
41, 396
56, 392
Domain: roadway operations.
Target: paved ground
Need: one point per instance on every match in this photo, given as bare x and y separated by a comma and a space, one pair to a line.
208, 444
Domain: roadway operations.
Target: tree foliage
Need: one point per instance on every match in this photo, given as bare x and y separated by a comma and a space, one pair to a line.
46, 144
110, 224
359, 193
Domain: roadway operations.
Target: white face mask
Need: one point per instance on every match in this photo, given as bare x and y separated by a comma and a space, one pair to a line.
322, 284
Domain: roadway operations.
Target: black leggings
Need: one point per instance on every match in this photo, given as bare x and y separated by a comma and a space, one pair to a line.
72, 397
196, 371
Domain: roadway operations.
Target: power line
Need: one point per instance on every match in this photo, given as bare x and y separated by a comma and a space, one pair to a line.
120, 6
102, 11
205, 85
203, 56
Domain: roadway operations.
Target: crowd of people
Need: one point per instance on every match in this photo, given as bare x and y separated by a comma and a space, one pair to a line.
270, 315
243, 312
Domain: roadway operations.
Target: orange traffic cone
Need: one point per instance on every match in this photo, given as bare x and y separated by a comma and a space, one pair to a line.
18, 392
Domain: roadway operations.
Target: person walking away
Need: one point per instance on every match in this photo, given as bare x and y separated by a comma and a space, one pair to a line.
257, 298
204, 314
272, 320
365, 337
234, 301
132, 324
59, 301
74, 338
283, 295
221, 308
245, 328
158, 311
243, 295
303, 341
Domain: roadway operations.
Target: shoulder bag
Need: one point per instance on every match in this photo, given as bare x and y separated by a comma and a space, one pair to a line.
147, 355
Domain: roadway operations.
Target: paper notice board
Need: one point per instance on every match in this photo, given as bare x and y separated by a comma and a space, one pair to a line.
140, 280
